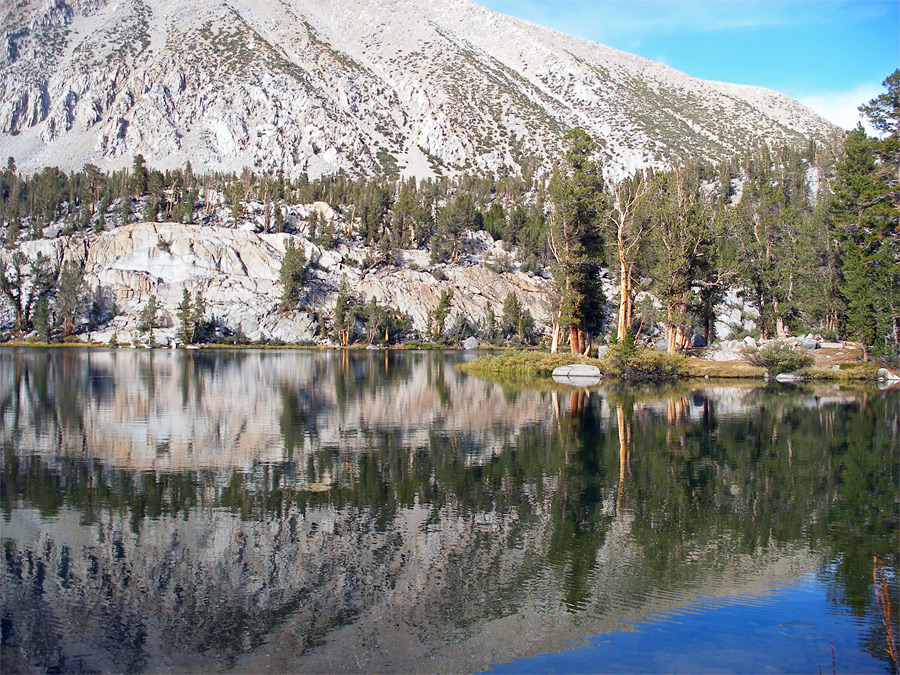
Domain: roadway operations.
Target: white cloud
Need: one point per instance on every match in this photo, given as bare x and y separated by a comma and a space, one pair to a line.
841, 108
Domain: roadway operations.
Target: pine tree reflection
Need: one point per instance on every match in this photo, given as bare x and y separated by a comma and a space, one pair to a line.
685, 485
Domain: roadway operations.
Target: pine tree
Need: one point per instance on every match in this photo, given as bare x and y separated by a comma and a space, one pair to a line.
576, 190
489, 326
512, 313
42, 319
200, 326
186, 317
439, 314
292, 275
453, 221
72, 298
861, 314
865, 211
139, 176
681, 223
344, 314
148, 318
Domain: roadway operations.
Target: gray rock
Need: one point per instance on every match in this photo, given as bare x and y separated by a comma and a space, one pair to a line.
725, 355
470, 343
698, 340
831, 345
577, 370
809, 343
885, 374
750, 342
577, 375
237, 273
601, 351
788, 378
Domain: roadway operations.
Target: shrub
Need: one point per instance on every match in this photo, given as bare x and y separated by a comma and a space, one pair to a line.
779, 357
642, 364
889, 353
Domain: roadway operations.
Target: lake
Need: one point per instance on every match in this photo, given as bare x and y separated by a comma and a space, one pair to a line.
333, 511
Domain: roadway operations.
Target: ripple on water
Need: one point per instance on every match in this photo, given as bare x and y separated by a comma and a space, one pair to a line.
742, 634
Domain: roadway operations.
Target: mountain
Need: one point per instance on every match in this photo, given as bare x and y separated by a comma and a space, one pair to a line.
419, 87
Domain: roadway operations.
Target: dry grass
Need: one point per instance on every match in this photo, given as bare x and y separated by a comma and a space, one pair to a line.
723, 369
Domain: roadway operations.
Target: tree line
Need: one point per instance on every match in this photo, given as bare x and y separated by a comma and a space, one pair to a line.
809, 236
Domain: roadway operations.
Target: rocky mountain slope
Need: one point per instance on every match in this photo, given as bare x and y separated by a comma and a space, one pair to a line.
403, 86
237, 273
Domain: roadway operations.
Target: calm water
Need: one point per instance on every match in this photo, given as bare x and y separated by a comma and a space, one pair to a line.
327, 512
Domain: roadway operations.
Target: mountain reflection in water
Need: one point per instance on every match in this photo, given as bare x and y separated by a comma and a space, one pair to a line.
335, 511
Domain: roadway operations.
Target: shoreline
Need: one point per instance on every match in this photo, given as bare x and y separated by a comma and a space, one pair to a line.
539, 366
528, 364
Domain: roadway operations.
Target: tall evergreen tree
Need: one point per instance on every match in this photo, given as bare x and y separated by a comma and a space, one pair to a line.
72, 297
576, 193
292, 275
865, 208
681, 223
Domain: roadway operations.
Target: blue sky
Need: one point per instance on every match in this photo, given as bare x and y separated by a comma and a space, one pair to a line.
832, 55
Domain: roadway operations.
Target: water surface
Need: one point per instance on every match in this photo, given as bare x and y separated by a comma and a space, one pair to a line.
374, 511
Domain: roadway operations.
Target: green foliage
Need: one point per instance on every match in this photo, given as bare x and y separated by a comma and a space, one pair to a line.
494, 221
681, 222
859, 288
12, 234
515, 363
453, 220
185, 317
388, 164
148, 318
42, 319
516, 323
344, 314
489, 325
883, 111
292, 275
381, 324
865, 211
72, 297
779, 357
438, 315
193, 325
23, 283
376, 320
630, 363
140, 176
576, 191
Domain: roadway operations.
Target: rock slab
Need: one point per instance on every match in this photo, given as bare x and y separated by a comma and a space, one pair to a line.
577, 374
